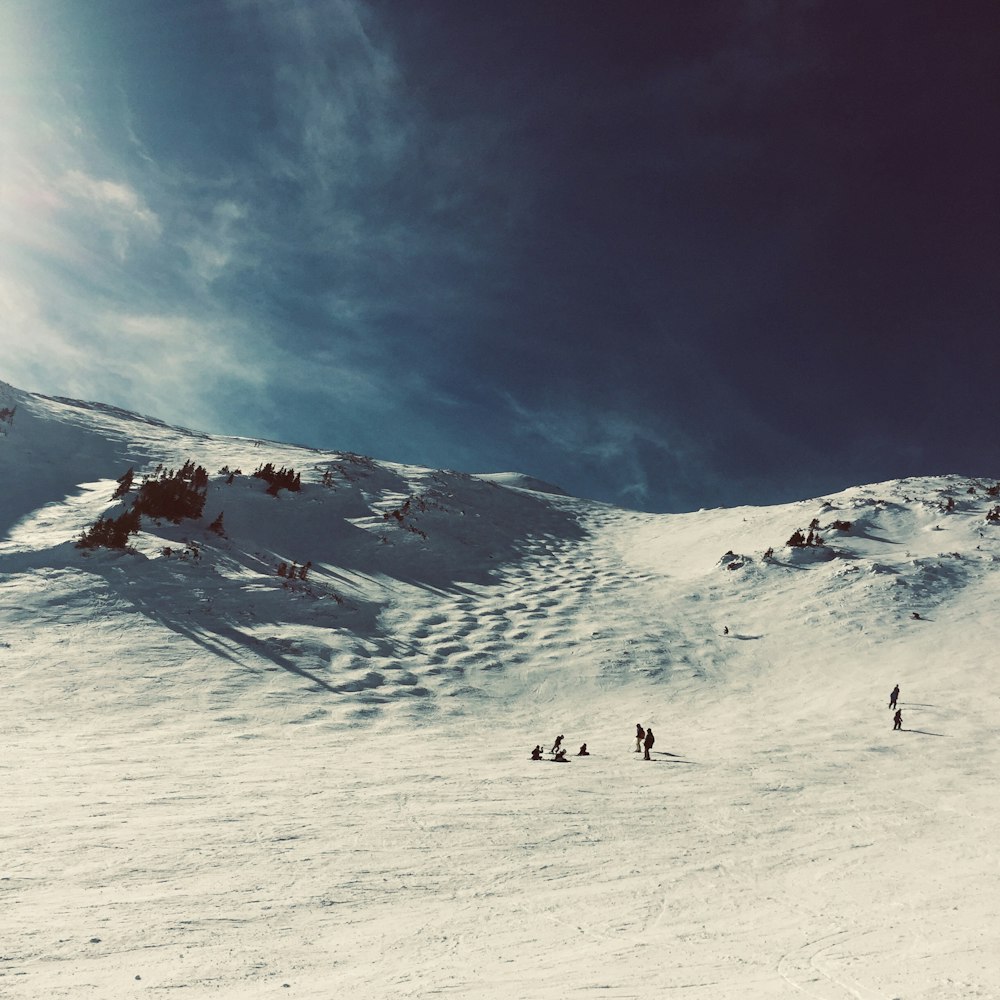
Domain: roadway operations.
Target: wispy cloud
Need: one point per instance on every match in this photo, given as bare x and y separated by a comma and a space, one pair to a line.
613, 441
337, 246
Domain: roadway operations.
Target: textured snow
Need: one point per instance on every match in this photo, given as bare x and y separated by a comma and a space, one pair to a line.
220, 782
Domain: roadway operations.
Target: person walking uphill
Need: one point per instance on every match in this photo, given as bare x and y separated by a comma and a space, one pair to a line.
648, 742
893, 695
897, 719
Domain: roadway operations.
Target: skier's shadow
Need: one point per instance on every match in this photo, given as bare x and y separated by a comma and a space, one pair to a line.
923, 732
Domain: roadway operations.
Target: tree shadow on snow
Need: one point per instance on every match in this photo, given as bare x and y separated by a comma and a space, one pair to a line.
214, 641
869, 537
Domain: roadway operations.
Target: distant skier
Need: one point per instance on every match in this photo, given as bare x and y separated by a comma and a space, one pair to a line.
897, 720
725, 630
648, 742
583, 751
640, 735
557, 744
560, 757
893, 695
536, 754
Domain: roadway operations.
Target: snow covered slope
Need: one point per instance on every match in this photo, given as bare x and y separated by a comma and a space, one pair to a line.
240, 783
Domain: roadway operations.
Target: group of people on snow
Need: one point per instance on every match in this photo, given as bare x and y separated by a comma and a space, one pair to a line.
644, 739
558, 751
897, 719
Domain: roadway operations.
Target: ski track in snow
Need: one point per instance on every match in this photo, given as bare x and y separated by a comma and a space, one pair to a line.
218, 786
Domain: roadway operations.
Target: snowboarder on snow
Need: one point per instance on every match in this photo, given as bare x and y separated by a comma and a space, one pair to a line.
893, 695
557, 744
648, 742
583, 751
536, 754
897, 720
560, 757
640, 735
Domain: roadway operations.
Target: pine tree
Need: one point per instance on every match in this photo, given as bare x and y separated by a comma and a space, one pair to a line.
124, 484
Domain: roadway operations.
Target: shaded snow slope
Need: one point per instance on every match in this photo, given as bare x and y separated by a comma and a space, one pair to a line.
226, 781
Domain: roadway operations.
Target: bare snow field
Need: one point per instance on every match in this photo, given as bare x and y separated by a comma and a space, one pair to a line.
224, 782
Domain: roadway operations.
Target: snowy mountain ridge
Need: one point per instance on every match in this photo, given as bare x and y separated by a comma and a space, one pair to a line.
233, 695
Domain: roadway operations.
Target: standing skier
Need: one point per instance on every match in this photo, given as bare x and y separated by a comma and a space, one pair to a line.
897, 719
648, 742
557, 744
640, 735
893, 695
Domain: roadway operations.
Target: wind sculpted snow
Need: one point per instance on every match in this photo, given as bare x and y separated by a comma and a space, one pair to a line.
244, 784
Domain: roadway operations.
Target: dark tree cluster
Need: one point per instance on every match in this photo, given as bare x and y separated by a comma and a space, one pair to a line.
110, 532
279, 479
230, 474
800, 541
993, 516
174, 496
994, 491
167, 494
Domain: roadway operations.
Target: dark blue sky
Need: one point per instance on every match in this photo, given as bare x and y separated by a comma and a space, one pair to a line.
666, 254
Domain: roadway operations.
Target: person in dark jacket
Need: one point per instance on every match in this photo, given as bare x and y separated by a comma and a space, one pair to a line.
897, 719
557, 744
536, 754
560, 757
583, 751
648, 742
893, 695
640, 735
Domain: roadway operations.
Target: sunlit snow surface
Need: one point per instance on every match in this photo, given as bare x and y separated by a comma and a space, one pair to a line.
225, 785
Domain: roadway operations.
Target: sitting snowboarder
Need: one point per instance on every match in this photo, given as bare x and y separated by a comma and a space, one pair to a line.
536, 754
560, 757
583, 751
